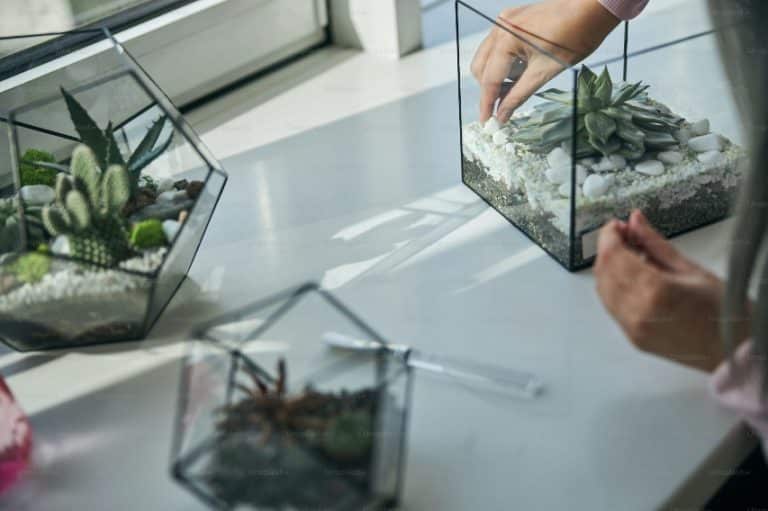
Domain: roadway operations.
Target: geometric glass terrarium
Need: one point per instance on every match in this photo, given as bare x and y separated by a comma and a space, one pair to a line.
105, 195
269, 417
653, 130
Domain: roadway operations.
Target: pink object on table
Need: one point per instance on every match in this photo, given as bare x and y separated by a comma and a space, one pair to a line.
15, 439
625, 9
738, 387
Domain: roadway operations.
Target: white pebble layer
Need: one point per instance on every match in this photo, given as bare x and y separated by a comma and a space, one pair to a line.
524, 172
74, 281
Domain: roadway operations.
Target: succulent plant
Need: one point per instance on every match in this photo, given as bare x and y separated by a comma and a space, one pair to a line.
31, 268
32, 168
610, 119
148, 234
104, 144
88, 209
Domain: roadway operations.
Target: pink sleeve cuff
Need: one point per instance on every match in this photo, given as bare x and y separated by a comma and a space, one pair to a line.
738, 386
624, 9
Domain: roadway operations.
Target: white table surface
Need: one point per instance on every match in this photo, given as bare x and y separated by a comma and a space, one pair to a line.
351, 177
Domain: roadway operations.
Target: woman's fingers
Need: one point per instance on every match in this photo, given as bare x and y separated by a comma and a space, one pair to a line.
496, 70
658, 248
481, 57
539, 71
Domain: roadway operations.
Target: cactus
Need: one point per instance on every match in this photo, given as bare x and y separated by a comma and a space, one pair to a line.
10, 239
88, 209
104, 144
610, 120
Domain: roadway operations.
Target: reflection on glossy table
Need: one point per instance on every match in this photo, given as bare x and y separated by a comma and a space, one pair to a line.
351, 178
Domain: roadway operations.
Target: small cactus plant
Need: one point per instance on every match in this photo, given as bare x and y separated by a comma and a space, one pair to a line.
104, 144
88, 209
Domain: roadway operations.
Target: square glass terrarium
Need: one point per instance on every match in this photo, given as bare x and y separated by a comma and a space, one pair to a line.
651, 129
271, 418
105, 195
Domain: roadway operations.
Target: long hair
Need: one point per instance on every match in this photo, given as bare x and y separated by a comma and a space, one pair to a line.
743, 42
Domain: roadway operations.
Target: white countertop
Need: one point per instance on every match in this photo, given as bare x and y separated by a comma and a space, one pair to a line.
351, 177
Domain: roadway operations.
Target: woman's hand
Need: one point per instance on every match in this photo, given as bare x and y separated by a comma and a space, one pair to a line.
666, 304
568, 29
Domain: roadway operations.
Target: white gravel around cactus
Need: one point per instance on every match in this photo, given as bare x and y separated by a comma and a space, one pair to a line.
68, 281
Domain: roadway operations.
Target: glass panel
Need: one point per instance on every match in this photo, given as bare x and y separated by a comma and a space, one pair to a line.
687, 172
32, 17
104, 178
521, 169
599, 146
290, 423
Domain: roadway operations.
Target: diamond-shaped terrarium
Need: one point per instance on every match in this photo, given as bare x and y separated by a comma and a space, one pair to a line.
105, 194
653, 129
271, 418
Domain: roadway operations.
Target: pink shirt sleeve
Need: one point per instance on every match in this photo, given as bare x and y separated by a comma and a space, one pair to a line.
624, 9
739, 388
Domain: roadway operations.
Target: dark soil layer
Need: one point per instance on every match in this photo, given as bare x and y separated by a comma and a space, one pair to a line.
32, 336
711, 203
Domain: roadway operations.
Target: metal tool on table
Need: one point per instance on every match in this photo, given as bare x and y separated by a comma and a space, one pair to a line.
484, 376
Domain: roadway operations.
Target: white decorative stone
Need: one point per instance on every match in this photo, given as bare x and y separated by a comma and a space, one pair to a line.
618, 161
650, 168
558, 158
168, 196
683, 135
700, 127
558, 175
172, 196
670, 157
37, 195
170, 228
595, 186
510, 148
60, 246
704, 143
581, 173
500, 138
609, 164
491, 126
588, 162
165, 185
711, 157
565, 190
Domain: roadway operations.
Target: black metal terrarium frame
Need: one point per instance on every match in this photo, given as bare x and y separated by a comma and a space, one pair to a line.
165, 279
235, 360
576, 250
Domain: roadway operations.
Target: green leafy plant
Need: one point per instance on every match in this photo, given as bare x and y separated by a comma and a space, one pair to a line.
148, 234
88, 209
610, 119
31, 268
32, 168
104, 144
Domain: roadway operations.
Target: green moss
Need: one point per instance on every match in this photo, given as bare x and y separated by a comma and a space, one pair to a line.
31, 268
148, 234
35, 175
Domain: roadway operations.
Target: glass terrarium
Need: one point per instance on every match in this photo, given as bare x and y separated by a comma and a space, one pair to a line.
271, 417
105, 194
651, 129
